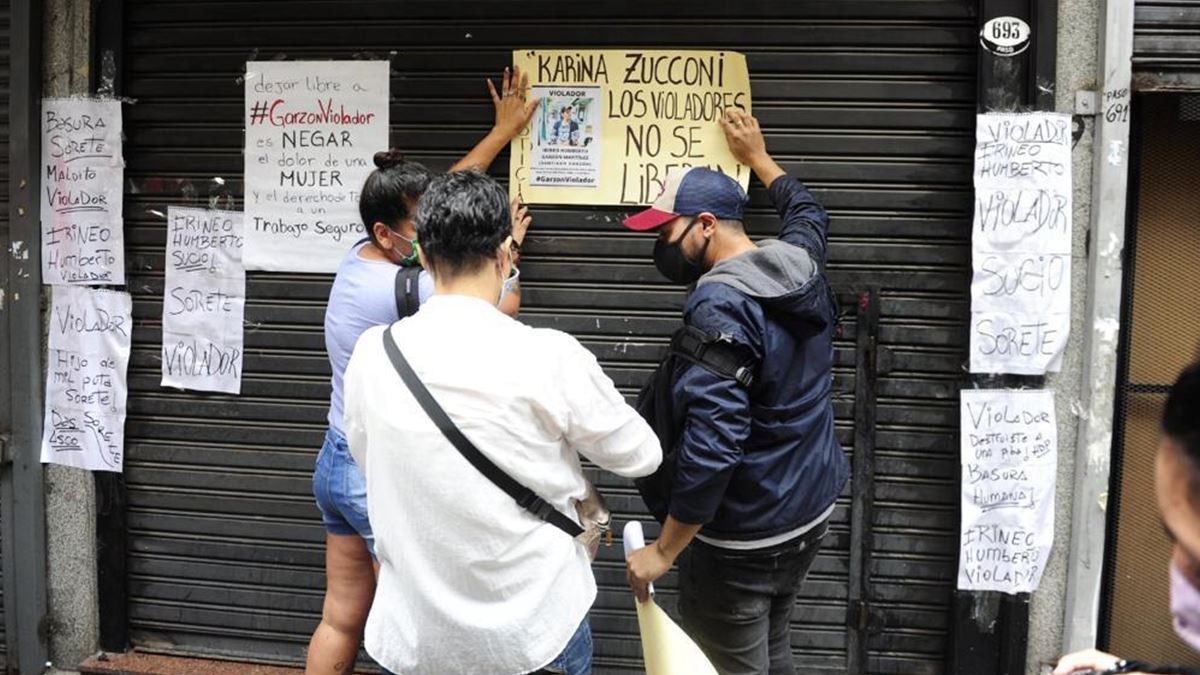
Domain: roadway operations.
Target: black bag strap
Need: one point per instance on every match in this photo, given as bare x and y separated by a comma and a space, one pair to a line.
408, 290
525, 498
723, 357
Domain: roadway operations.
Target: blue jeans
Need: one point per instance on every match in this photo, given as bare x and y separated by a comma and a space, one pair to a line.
576, 659
340, 489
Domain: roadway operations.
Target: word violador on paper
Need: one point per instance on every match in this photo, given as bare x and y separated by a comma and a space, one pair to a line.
1021, 243
1009, 468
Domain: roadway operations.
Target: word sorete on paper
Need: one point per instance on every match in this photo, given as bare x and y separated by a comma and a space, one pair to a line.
1021, 243
1009, 464
86, 387
204, 300
81, 203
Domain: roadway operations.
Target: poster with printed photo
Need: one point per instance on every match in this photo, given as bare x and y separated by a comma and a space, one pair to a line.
566, 147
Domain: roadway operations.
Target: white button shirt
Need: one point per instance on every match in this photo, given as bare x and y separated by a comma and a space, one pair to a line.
470, 582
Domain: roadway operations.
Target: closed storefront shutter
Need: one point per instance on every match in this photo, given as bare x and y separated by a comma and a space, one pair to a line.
5, 53
871, 103
1166, 43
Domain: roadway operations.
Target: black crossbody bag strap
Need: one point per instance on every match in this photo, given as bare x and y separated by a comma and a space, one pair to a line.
408, 298
525, 498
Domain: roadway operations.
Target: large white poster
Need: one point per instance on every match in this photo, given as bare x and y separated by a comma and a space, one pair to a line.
1021, 243
86, 387
204, 300
1009, 464
312, 128
81, 203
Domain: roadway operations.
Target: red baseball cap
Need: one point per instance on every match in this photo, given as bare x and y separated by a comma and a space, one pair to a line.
690, 192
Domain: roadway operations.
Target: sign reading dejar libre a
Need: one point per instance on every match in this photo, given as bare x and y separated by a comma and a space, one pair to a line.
312, 128
613, 122
81, 206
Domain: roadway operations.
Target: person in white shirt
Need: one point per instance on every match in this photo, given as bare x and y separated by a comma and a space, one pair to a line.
469, 581
364, 295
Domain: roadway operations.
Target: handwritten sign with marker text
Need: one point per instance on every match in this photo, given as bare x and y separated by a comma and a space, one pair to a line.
85, 378
312, 128
1021, 243
204, 300
81, 211
644, 113
1009, 463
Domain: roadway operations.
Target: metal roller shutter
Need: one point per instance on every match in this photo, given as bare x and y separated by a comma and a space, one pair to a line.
5, 55
872, 103
1166, 43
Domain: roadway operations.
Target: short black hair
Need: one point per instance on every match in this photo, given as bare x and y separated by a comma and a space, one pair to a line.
1181, 414
387, 193
463, 218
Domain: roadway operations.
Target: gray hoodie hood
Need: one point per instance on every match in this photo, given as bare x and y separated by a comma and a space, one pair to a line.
784, 279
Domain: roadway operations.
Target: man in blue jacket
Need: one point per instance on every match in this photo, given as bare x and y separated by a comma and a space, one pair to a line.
759, 468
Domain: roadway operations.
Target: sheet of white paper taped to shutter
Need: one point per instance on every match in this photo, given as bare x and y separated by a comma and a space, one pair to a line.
666, 649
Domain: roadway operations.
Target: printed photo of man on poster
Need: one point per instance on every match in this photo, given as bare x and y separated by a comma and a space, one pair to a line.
565, 149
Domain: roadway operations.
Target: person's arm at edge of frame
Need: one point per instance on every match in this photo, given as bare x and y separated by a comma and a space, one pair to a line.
513, 113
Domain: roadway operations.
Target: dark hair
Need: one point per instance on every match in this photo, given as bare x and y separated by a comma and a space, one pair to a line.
391, 188
1181, 415
463, 219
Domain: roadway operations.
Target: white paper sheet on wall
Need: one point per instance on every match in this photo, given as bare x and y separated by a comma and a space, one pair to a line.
1009, 454
1021, 243
83, 171
312, 129
204, 299
86, 385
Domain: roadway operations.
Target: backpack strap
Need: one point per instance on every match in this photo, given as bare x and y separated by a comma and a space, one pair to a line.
719, 355
408, 290
523, 496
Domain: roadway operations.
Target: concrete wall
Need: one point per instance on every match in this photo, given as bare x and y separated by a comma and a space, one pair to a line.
1078, 27
70, 494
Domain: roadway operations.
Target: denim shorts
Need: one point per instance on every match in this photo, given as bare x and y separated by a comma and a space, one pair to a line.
340, 489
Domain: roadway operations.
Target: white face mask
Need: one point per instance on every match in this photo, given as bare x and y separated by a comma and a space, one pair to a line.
508, 284
1185, 608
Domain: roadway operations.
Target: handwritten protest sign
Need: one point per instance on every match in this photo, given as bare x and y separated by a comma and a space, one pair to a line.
85, 378
1021, 243
204, 300
1009, 463
633, 115
312, 128
81, 210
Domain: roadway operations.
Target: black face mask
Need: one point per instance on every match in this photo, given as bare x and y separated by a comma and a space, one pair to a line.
673, 263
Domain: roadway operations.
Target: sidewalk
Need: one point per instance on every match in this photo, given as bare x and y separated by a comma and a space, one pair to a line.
134, 663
